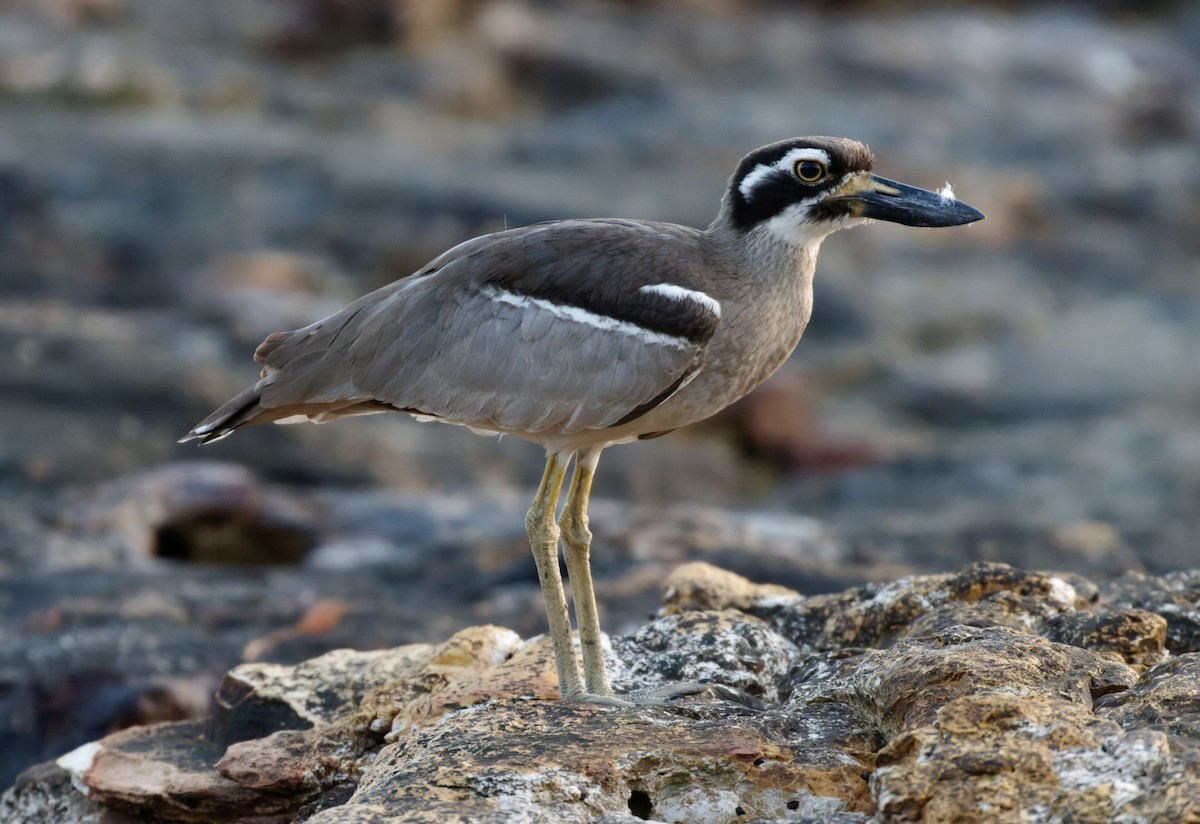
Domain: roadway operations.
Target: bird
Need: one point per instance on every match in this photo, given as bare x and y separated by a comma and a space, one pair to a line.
579, 334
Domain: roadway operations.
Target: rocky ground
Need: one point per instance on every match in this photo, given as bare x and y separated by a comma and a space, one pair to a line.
983, 695
179, 179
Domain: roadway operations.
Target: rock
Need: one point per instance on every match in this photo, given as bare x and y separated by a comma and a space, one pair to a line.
166, 771
1176, 597
702, 586
205, 513
475, 665
1166, 697
980, 719
981, 594
602, 761
1036, 758
45, 793
912, 680
1134, 637
128, 612
751, 658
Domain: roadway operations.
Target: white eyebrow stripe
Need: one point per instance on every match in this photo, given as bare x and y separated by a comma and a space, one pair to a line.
574, 313
674, 292
784, 164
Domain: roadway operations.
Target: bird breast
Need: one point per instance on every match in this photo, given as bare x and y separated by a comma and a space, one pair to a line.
763, 314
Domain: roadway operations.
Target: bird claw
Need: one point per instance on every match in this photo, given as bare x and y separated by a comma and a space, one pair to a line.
652, 697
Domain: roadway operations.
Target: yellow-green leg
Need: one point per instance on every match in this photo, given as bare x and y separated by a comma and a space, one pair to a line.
577, 540
543, 540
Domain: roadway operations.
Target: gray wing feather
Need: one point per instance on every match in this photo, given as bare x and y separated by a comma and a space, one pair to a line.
442, 344
524, 368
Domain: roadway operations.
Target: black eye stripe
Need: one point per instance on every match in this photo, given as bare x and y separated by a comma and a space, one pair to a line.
774, 193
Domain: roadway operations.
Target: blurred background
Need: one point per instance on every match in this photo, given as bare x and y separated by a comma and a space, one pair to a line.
179, 179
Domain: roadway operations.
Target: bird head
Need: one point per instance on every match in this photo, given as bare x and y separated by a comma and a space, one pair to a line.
804, 188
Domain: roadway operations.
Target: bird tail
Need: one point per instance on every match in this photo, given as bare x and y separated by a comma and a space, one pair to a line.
240, 410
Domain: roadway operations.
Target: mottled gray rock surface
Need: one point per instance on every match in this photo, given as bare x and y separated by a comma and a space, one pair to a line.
931, 698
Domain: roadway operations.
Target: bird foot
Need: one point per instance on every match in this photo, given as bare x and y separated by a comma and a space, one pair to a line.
653, 697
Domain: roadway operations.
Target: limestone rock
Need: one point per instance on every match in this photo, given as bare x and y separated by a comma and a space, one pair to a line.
983, 594
982, 695
1166, 697
699, 585
1175, 597
997, 757
523, 760
909, 683
751, 658
168, 771
204, 512
1135, 636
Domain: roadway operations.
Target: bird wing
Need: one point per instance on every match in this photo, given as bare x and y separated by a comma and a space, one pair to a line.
558, 327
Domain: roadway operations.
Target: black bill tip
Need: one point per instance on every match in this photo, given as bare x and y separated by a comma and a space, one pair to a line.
884, 199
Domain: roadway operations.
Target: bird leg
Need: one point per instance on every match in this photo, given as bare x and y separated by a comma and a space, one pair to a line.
577, 541
543, 540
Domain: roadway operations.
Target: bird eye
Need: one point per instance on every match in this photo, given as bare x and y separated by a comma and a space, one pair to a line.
809, 171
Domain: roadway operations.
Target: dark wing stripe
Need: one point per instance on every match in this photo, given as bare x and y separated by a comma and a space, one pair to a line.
642, 409
652, 311
600, 267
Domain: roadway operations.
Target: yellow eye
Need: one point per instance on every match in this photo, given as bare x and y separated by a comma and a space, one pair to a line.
809, 171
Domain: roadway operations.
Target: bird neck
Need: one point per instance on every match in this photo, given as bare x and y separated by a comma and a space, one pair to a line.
765, 290
769, 259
